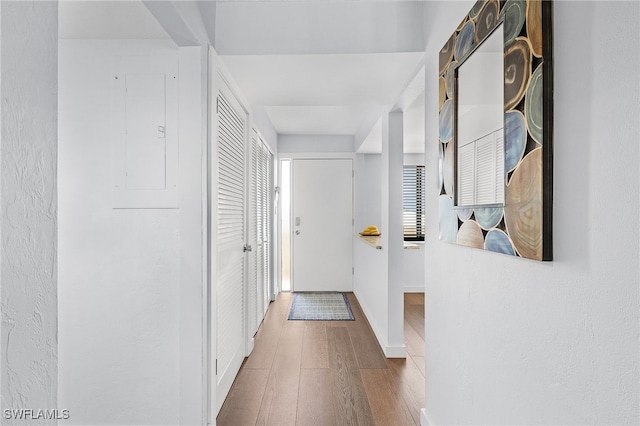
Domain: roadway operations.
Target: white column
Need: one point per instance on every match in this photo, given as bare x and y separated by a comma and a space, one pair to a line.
28, 205
392, 161
395, 236
193, 317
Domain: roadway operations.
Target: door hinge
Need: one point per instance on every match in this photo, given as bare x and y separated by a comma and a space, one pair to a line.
216, 367
353, 271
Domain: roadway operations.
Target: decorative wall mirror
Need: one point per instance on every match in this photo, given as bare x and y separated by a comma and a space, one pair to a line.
496, 128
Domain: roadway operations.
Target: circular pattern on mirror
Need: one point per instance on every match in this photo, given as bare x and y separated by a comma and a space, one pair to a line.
446, 53
464, 214
446, 121
523, 206
465, 40
488, 217
448, 166
486, 21
448, 219
470, 235
449, 77
440, 166
475, 10
499, 242
514, 12
534, 26
533, 105
515, 139
517, 70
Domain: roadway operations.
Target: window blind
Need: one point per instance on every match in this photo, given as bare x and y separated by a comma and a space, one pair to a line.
413, 203
481, 171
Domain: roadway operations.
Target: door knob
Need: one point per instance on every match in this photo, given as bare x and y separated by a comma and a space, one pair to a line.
297, 232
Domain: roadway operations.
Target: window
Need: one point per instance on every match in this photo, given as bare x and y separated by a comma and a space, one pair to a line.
413, 203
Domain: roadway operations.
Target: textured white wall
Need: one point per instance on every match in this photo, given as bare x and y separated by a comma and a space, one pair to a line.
512, 341
119, 298
28, 202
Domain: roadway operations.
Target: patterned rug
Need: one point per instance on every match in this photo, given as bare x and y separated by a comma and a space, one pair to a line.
320, 307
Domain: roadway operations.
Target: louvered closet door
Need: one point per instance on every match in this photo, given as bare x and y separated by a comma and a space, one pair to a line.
229, 240
260, 185
267, 228
253, 288
261, 201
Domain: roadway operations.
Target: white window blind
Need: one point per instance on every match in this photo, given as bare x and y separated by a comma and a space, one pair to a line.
413, 203
481, 171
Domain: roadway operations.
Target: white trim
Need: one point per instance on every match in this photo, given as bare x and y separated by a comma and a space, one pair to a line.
192, 139
414, 289
389, 351
207, 215
314, 155
395, 351
424, 420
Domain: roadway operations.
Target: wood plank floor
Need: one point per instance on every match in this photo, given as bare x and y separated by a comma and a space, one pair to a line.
328, 373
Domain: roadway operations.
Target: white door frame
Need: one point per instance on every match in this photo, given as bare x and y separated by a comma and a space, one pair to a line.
278, 226
219, 77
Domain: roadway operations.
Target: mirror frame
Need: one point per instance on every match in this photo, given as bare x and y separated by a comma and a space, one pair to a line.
523, 226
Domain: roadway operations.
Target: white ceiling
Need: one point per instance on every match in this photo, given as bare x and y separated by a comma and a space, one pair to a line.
303, 94
321, 94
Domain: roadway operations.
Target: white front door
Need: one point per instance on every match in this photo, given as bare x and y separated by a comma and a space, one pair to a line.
322, 216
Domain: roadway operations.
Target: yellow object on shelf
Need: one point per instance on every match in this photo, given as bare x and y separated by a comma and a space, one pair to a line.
370, 230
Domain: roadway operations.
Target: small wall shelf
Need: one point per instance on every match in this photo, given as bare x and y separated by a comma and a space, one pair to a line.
373, 241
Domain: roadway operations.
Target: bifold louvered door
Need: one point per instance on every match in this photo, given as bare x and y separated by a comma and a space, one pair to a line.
229, 268
260, 223
266, 230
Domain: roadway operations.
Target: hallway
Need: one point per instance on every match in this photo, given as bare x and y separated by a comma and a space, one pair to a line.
328, 372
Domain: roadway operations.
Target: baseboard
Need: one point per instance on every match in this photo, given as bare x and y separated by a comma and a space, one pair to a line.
395, 351
389, 351
414, 289
423, 418
250, 345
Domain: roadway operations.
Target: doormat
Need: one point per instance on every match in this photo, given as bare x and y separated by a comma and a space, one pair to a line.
320, 307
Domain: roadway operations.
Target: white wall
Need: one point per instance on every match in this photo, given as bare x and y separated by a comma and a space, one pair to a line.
315, 144
513, 341
261, 121
413, 269
379, 273
370, 265
367, 194
28, 206
119, 298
